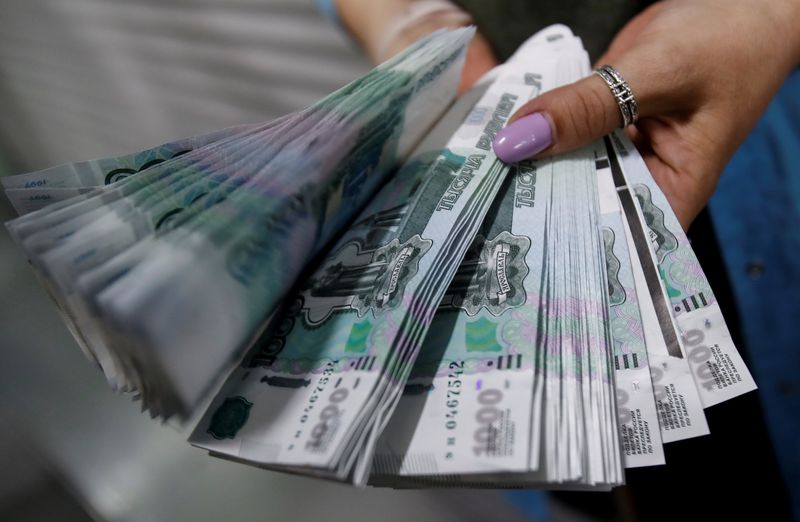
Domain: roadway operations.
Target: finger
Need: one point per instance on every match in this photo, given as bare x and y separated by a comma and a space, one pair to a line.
559, 121
575, 115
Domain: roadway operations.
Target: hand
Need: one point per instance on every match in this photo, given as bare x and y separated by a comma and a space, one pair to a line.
479, 60
702, 71
371, 23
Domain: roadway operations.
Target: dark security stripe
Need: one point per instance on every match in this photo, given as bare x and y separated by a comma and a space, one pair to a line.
643, 253
616, 170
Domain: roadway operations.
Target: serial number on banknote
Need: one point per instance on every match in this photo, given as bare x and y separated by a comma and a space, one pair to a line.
321, 384
453, 392
328, 421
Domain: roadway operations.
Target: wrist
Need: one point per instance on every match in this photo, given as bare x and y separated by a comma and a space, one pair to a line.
416, 20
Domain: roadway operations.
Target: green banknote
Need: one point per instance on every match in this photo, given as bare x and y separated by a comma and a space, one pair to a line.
680, 409
228, 226
356, 326
35, 190
474, 407
717, 367
640, 434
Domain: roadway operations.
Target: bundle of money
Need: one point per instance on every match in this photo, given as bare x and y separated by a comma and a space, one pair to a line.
235, 215
451, 322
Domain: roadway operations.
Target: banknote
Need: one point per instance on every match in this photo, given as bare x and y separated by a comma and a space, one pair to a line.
717, 367
214, 219
466, 409
640, 432
34, 190
365, 293
356, 326
494, 339
677, 398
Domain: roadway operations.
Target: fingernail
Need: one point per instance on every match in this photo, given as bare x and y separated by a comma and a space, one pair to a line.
523, 138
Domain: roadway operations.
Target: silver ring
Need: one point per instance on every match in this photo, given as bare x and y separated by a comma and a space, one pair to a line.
622, 93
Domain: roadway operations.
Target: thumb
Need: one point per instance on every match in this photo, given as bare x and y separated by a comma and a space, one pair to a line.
560, 120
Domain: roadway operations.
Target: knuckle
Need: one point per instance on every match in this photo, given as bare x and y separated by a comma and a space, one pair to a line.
586, 114
604, 119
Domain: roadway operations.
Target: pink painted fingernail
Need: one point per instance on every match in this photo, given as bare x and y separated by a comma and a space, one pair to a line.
523, 138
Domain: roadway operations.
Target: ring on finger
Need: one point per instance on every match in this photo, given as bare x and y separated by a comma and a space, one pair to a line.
622, 92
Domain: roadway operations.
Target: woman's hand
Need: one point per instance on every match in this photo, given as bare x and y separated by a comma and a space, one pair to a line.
702, 71
480, 58
385, 28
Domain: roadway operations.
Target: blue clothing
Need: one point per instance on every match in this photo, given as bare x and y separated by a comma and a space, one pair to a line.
756, 212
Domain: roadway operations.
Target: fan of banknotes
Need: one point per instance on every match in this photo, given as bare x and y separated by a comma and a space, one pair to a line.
365, 293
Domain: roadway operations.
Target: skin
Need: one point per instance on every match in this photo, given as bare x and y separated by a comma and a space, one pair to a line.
702, 71
369, 20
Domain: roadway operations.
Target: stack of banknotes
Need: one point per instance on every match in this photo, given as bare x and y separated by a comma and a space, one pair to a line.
365, 293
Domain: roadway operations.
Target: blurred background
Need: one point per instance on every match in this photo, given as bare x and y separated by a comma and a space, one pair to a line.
85, 79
